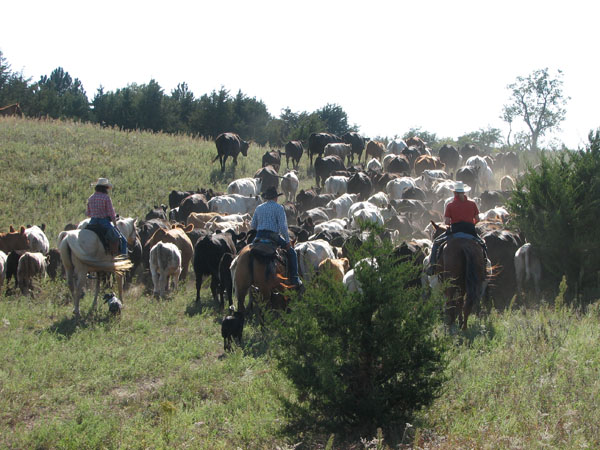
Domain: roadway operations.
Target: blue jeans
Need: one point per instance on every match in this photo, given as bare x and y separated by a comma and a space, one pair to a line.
112, 232
292, 258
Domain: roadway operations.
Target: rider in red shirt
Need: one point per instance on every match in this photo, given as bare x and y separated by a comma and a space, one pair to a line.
461, 215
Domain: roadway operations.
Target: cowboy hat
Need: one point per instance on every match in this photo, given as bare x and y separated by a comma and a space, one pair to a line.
102, 182
271, 193
459, 186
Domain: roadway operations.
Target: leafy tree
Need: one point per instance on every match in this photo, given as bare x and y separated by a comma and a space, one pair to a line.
538, 99
14, 88
214, 114
149, 107
335, 119
557, 206
364, 358
482, 138
60, 96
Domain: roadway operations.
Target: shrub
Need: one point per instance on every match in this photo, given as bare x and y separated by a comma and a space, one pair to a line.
370, 357
557, 206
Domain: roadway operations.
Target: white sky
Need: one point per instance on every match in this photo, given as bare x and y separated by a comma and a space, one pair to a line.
391, 65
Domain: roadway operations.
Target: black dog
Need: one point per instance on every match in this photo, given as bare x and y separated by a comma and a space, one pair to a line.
232, 327
114, 304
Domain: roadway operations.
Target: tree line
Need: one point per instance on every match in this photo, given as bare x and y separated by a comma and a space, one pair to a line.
537, 99
148, 107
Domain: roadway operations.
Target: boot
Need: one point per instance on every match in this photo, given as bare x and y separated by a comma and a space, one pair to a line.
292, 260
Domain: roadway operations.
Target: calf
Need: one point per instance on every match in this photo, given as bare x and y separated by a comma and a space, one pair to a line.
338, 267
232, 327
165, 262
289, 185
158, 212
30, 265
207, 256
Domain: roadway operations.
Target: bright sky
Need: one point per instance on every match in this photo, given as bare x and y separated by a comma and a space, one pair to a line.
391, 65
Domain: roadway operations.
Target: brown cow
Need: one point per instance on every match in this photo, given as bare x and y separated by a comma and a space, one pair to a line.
426, 162
14, 240
338, 267
11, 110
30, 265
375, 149
416, 141
177, 236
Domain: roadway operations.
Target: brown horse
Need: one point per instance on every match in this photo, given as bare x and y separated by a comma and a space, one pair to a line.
11, 110
463, 266
246, 273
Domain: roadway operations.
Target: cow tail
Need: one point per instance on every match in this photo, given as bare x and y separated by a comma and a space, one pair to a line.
216, 157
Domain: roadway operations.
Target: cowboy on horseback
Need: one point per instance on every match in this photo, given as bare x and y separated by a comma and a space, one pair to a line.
100, 210
461, 215
270, 223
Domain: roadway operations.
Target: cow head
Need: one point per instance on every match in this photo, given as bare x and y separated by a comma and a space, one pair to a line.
244, 147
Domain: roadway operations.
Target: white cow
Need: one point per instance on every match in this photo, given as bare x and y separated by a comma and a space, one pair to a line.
374, 165
498, 213
38, 242
528, 267
289, 185
231, 218
360, 205
396, 146
30, 265
310, 255
338, 149
342, 204
234, 204
507, 183
395, 188
331, 225
367, 215
336, 185
477, 161
380, 199
350, 281
165, 262
245, 186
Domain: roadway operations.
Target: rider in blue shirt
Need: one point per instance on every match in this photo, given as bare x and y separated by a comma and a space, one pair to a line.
270, 222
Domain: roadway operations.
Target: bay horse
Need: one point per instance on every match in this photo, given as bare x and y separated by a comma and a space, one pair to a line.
462, 265
82, 252
11, 110
246, 273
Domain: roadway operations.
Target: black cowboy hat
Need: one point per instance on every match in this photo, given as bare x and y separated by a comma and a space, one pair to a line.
271, 193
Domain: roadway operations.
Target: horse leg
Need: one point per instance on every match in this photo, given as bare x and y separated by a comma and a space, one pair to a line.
451, 306
119, 280
95, 302
78, 283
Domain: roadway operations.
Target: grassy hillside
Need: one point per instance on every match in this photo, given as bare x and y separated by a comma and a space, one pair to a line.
157, 376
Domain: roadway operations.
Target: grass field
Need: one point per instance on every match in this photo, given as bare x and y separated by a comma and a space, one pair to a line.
157, 378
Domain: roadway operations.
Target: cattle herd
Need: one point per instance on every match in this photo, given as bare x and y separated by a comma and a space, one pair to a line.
402, 187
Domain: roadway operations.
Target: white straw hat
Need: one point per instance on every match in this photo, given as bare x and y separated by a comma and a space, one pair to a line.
102, 182
459, 186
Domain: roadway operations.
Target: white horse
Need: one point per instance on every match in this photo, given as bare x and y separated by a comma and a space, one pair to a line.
126, 226
82, 252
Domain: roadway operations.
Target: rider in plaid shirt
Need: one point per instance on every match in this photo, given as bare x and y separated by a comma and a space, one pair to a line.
100, 210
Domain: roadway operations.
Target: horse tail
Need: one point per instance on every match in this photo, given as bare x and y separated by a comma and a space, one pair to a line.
216, 157
471, 279
65, 251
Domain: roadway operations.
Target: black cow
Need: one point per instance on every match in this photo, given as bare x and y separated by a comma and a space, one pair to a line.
359, 183
468, 175
467, 151
146, 228
357, 142
305, 199
158, 212
449, 156
207, 257
411, 153
317, 143
230, 144
380, 180
268, 177
176, 197
414, 193
192, 203
272, 158
294, 150
491, 199
324, 167
399, 164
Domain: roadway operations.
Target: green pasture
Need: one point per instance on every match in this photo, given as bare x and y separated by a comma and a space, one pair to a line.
156, 377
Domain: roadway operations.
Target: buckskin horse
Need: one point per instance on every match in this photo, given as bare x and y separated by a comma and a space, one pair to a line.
265, 273
462, 265
82, 252
11, 110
